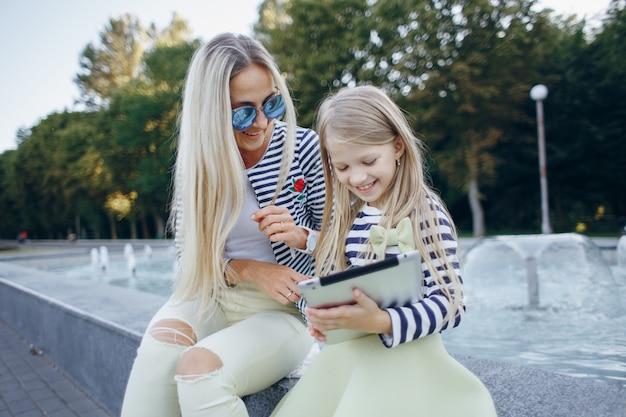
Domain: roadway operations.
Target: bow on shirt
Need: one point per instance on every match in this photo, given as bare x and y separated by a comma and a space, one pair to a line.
402, 236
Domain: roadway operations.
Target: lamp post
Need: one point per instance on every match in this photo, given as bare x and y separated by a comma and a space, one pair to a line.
539, 93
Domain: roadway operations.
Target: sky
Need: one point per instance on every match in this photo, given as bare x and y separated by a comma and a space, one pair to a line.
41, 42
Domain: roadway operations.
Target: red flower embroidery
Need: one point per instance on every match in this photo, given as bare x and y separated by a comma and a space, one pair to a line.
298, 186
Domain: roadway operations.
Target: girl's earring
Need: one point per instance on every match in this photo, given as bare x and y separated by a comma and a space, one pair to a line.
398, 162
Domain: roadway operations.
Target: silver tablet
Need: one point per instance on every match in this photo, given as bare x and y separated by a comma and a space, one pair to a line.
394, 281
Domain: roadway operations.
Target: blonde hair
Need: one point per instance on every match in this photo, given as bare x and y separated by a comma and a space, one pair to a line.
209, 177
366, 116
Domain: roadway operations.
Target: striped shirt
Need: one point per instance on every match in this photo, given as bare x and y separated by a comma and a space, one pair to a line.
303, 193
425, 316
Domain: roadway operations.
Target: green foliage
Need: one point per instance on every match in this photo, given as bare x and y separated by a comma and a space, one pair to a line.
142, 120
142, 128
478, 63
462, 70
9, 220
316, 44
586, 122
103, 171
118, 59
166, 66
45, 178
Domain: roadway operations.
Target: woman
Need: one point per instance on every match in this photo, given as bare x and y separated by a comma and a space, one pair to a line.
248, 200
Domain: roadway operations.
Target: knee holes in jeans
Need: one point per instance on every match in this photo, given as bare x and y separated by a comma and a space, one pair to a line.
197, 363
173, 332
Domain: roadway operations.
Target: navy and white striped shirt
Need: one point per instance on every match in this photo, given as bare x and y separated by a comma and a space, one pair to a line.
303, 193
425, 316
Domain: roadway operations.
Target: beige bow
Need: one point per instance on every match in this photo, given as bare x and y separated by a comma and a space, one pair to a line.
402, 236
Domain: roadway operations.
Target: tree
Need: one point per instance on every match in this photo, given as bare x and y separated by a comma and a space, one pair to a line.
316, 44
463, 67
607, 53
177, 33
142, 118
585, 124
46, 185
138, 123
10, 219
105, 68
166, 66
118, 59
84, 176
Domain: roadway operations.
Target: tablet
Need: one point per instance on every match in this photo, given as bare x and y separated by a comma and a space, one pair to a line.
392, 282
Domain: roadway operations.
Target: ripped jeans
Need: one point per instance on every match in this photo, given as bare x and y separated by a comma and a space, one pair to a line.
194, 366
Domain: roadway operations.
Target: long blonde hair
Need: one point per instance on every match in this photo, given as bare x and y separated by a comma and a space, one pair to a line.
209, 177
366, 116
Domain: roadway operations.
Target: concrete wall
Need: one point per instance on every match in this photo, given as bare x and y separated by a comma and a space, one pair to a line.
97, 354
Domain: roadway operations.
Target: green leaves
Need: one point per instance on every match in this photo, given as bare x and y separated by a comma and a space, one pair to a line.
108, 165
462, 70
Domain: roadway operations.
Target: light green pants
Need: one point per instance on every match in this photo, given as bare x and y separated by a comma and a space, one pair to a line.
258, 340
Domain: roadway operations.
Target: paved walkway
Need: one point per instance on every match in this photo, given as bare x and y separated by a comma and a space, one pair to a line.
31, 386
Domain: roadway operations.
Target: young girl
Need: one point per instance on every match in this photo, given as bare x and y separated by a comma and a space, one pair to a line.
373, 169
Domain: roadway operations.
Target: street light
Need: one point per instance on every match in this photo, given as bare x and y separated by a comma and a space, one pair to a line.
539, 93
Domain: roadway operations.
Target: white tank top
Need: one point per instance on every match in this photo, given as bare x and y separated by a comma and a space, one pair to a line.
246, 241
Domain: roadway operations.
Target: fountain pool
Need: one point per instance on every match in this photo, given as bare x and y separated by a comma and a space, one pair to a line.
573, 322
145, 269
576, 325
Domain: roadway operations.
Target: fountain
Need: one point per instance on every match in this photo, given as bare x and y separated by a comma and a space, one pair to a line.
573, 273
95, 258
128, 250
125, 268
570, 319
529, 249
549, 301
147, 251
131, 262
104, 258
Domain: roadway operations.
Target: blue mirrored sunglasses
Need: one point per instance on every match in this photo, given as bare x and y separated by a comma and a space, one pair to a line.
244, 117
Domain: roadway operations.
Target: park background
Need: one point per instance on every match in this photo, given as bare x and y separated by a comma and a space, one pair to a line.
462, 70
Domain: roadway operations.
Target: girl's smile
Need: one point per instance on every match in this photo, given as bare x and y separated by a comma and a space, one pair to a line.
366, 188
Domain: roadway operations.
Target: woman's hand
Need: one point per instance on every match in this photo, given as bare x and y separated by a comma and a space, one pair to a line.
278, 281
364, 316
278, 225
